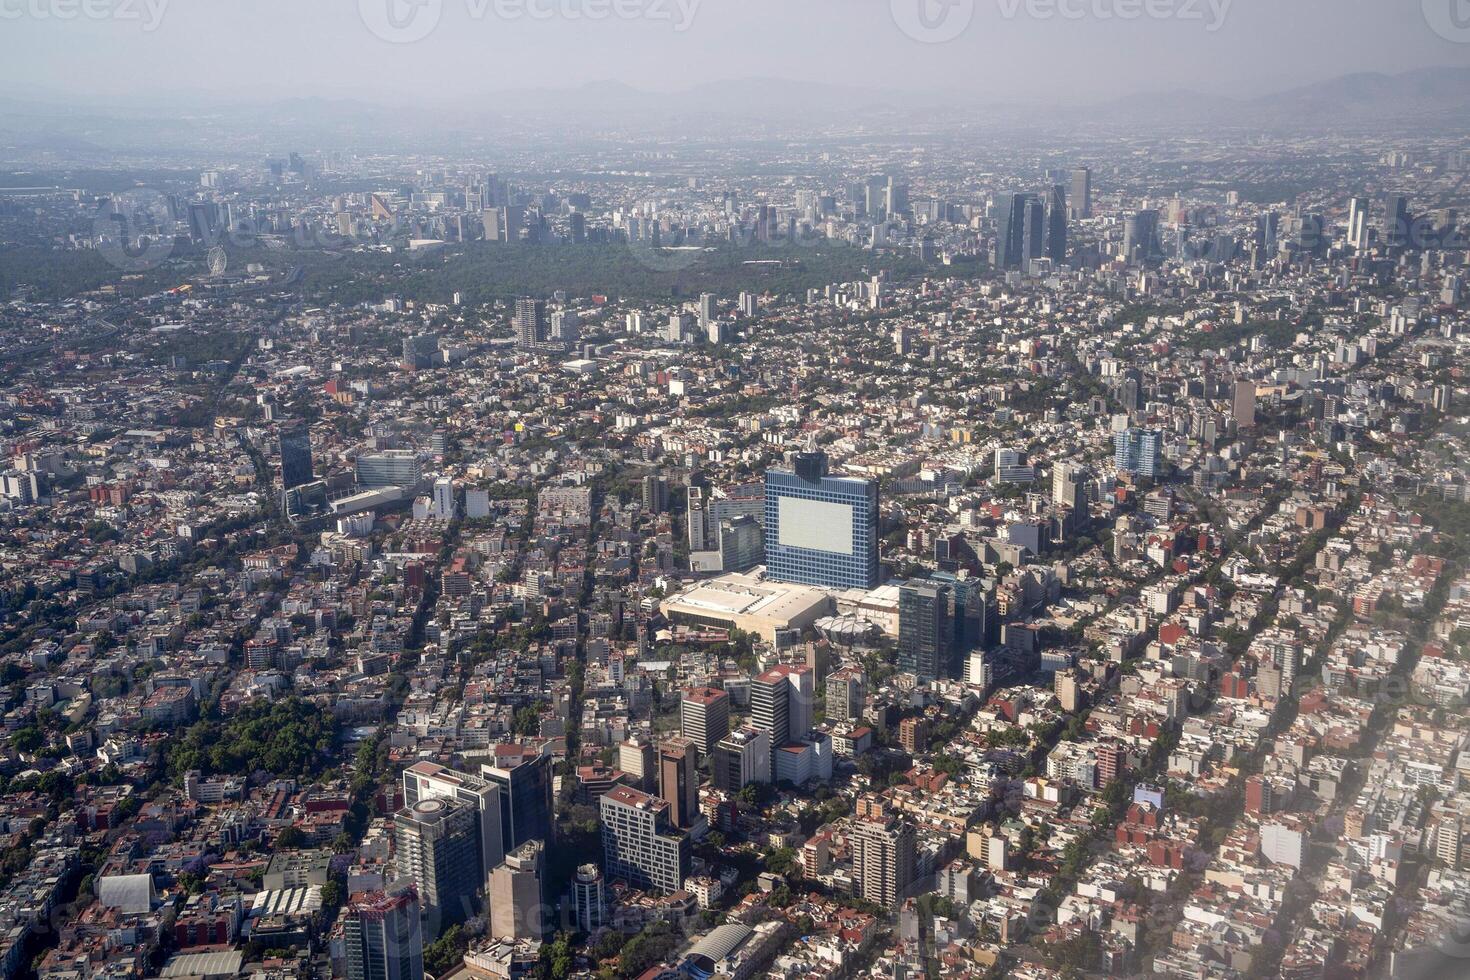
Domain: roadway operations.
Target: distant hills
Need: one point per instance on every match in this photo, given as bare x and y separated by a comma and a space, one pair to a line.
739, 109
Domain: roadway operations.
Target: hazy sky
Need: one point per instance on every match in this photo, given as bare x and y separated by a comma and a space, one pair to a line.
1034, 50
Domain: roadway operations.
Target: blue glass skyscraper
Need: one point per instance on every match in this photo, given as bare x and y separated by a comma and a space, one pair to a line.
821, 530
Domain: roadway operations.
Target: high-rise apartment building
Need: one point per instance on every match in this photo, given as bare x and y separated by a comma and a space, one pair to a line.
640, 845
845, 695
883, 854
530, 323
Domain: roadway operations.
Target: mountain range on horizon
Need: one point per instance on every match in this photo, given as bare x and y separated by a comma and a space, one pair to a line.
758, 107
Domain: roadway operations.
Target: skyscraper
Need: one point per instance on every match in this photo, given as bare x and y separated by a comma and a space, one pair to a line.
704, 716
526, 811
382, 935
640, 845
435, 848
926, 646
294, 443
1395, 220
530, 323
821, 530
1033, 229
1056, 225
516, 894
1358, 224
770, 707
1141, 243
429, 780
1010, 235
678, 780
1082, 193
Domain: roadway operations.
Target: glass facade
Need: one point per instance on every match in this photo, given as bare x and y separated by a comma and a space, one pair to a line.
821, 530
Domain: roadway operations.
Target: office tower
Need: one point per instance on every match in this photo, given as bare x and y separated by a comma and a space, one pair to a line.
516, 894
1396, 220
444, 505
382, 935
435, 847
821, 530
1141, 243
926, 646
678, 780
294, 443
1082, 193
770, 707
588, 903
1244, 404
637, 758
419, 351
883, 853
704, 716
702, 529
1068, 486
530, 323
1358, 227
492, 224
526, 811
781, 703
1010, 236
639, 843
655, 494
1033, 229
845, 695
741, 758
1267, 227
1311, 233
1056, 225
389, 468
429, 780
706, 309
577, 224
1138, 451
